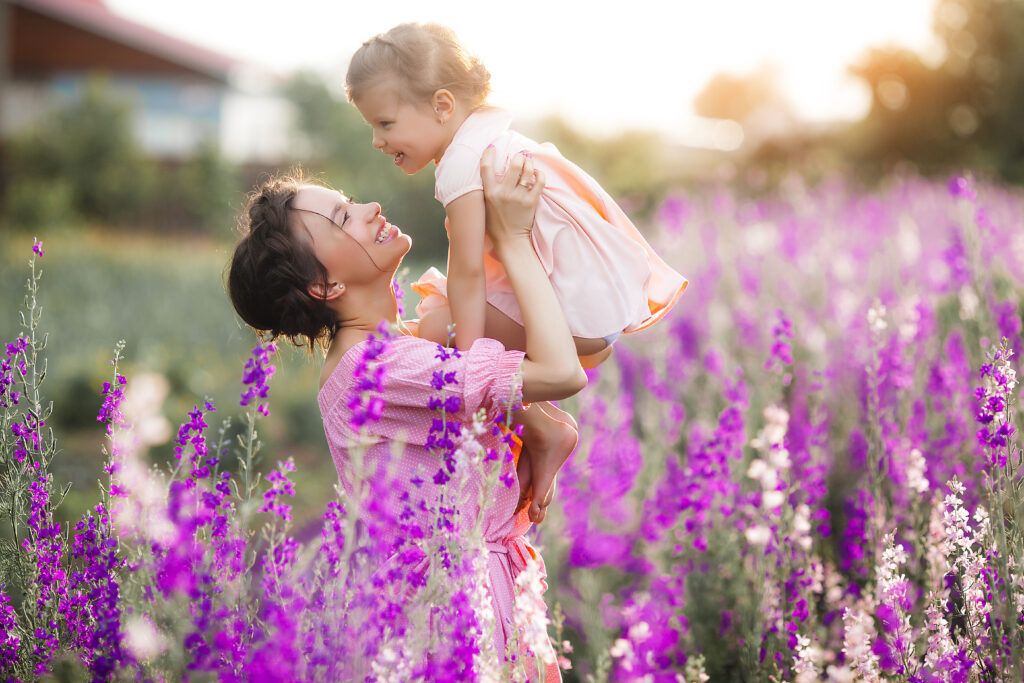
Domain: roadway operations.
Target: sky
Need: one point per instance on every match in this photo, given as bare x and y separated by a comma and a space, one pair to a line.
605, 67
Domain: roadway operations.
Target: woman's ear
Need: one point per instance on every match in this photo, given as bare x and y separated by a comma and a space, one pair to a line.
325, 291
444, 105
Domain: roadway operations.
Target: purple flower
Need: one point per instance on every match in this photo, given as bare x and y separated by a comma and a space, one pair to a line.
396, 287
13, 363
37, 247
280, 486
962, 187
93, 604
368, 377
45, 546
993, 397
781, 354
9, 641
113, 395
256, 377
332, 537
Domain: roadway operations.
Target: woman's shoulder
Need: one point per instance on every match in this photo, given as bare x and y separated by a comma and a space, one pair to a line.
401, 353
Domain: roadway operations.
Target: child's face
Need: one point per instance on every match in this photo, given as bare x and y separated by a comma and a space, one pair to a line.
410, 133
331, 222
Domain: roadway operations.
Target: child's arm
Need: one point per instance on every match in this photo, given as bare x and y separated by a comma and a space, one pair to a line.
466, 287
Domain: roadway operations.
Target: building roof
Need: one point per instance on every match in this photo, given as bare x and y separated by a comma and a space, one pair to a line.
94, 17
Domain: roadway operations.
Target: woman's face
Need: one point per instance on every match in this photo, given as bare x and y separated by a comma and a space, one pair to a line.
353, 241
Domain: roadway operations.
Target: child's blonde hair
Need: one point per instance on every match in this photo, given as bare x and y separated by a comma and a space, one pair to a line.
425, 58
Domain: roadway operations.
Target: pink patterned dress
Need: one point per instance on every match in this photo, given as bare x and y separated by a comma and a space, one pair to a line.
487, 376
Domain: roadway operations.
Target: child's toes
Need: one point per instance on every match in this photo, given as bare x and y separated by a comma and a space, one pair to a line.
537, 513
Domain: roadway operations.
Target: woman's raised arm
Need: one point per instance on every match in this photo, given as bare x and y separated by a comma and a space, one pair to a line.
551, 370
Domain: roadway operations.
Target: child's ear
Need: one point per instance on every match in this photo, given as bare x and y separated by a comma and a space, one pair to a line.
328, 292
443, 103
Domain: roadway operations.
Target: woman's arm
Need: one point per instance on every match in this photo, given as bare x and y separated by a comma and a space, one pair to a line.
467, 292
551, 369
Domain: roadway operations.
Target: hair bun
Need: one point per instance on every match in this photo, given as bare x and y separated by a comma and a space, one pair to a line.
425, 58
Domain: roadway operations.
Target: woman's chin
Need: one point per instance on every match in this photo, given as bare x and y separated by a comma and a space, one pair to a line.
407, 241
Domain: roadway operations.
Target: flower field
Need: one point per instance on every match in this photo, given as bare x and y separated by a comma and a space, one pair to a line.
809, 471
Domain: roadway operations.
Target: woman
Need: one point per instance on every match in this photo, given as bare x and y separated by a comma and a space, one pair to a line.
315, 266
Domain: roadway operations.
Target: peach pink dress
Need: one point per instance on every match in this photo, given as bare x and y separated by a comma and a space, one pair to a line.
487, 377
603, 271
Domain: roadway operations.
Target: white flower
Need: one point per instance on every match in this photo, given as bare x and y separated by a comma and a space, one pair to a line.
757, 469
840, 674
858, 634
639, 632
486, 661
968, 303
916, 469
531, 613
773, 499
802, 527
775, 427
758, 535
621, 648
876, 317
779, 458
807, 661
694, 672
142, 639
143, 399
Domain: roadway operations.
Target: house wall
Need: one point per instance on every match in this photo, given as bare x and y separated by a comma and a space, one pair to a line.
43, 45
176, 109
171, 117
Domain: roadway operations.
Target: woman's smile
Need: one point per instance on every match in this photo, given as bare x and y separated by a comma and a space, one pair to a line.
386, 232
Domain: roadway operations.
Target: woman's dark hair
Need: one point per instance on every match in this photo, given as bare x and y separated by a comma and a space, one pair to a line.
270, 270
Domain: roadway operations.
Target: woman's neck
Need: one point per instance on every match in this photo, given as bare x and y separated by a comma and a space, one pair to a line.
362, 314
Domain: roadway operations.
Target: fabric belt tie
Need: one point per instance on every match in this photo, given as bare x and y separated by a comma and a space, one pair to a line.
519, 552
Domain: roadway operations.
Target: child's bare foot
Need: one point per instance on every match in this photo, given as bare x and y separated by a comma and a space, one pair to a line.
552, 436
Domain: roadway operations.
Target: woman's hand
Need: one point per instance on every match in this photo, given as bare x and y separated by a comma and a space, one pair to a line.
551, 369
512, 202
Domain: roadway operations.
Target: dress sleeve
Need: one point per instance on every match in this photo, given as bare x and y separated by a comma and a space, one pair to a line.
491, 379
457, 174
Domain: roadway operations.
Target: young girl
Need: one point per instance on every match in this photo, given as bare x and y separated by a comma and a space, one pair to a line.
425, 98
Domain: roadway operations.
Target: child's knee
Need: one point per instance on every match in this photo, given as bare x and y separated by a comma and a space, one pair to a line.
589, 347
595, 359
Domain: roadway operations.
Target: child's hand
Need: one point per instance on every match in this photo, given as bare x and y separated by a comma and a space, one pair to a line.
511, 203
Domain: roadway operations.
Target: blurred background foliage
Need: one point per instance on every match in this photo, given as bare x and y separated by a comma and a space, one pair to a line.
964, 112
136, 247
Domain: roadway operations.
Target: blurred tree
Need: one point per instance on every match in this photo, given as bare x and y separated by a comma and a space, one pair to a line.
727, 96
985, 44
88, 148
908, 118
209, 188
966, 111
628, 165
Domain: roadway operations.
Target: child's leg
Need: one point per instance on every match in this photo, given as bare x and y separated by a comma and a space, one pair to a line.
549, 433
434, 326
